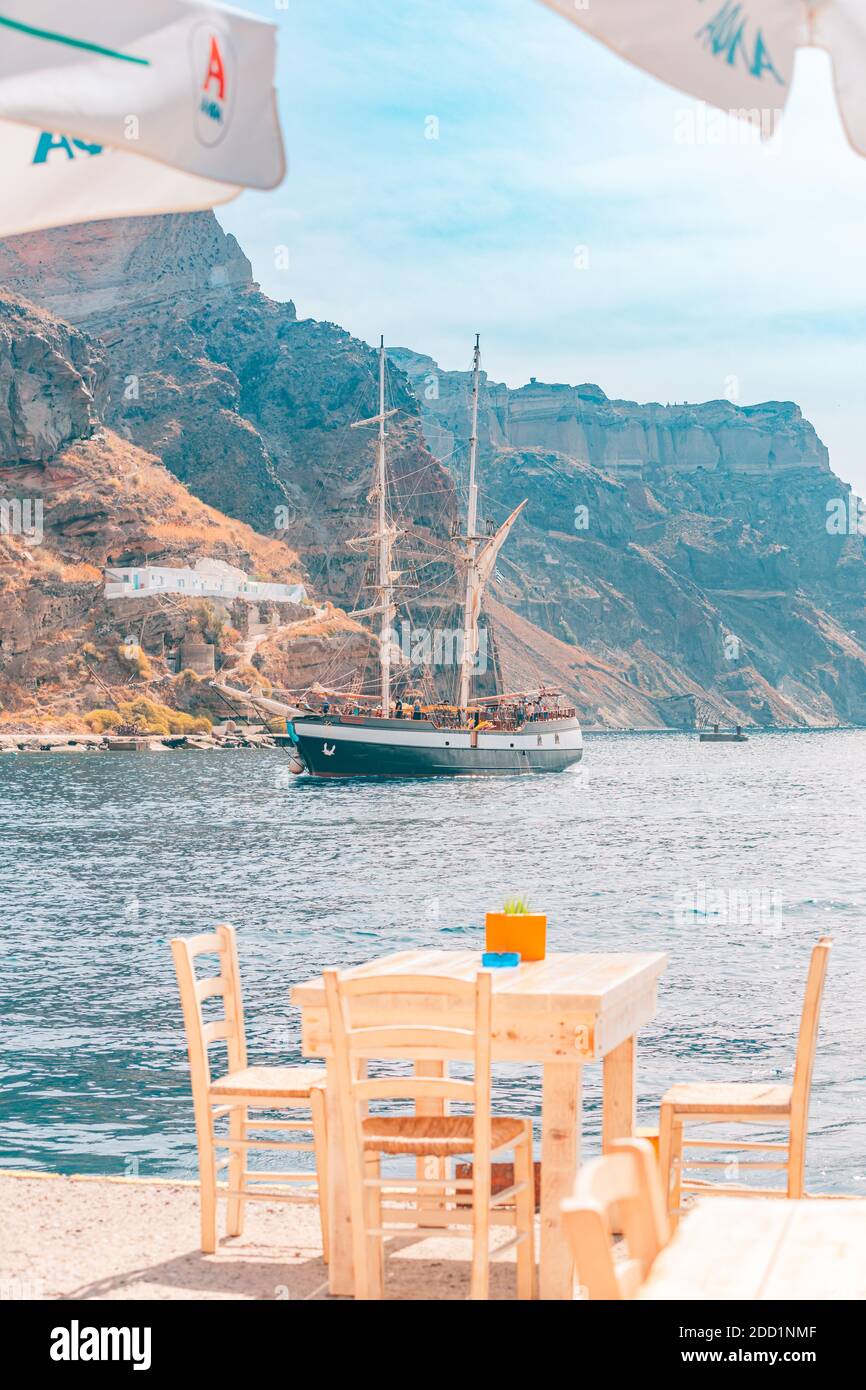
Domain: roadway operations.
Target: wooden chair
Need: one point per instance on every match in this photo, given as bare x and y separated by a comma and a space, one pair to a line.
751, 1103
620, 1192
440, 1204
241, 1090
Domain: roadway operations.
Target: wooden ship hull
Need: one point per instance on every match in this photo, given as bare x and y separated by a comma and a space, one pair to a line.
342, 746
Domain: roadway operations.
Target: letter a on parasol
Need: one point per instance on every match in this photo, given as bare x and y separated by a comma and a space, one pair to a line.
736, 54
112, 109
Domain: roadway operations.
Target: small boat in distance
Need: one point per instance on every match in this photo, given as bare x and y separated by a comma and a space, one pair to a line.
368, 736
715, 735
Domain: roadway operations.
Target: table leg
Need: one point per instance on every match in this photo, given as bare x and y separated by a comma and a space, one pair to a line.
341, 1273
618, 1111
560, 1156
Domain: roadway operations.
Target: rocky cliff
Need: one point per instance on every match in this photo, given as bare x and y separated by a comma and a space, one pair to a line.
51, 384
688, 546
619, 437
74, 497
247, 404
671, 558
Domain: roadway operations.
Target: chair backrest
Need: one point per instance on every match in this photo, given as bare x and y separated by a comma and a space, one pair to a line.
808, 1036
371, 1018
226, 984
622, 1191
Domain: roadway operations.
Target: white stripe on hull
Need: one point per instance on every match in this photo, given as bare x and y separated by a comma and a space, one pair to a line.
569, 736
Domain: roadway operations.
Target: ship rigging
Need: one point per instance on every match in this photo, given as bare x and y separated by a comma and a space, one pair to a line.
506, 734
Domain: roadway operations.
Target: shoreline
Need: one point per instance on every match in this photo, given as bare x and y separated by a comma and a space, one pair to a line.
73, 742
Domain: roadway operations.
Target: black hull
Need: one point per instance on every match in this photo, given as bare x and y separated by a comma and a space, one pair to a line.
390, 760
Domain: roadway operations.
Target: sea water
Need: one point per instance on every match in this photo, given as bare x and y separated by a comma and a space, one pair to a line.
731, 858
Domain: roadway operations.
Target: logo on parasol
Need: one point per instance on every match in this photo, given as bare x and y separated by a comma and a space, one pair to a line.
214, 70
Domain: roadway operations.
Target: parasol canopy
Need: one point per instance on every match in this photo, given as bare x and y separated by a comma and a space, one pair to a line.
113, 110
736, 54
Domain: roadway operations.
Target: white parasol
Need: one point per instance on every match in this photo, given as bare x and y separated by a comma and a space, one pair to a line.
736, 54
110, 109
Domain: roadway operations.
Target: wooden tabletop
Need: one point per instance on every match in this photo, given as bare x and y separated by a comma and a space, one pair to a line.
764, 1248
593, 978
569, 1004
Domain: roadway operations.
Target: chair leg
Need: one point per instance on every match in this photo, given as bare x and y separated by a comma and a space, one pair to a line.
667, 1125
480, 1286
373, 1221
320, 1143
796, 1164
676, 1190
207, 1180
237, 1164
525, 1216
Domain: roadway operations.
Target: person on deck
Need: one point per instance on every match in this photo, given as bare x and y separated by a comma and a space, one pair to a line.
398, 708
416, 710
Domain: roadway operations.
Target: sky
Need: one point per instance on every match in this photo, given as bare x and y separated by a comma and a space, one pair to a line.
591, 223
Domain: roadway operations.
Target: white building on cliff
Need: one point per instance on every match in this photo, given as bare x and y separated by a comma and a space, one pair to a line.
209, 579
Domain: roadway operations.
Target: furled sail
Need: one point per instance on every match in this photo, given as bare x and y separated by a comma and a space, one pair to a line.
481, 571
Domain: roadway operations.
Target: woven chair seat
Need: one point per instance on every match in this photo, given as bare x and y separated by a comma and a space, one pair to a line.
294, 1082
441, 1136
720, 1097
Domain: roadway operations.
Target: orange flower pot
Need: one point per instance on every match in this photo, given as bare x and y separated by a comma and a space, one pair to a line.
525, 932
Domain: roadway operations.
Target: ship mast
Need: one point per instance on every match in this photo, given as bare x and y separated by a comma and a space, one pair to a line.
384, 536
385, 595
470, 610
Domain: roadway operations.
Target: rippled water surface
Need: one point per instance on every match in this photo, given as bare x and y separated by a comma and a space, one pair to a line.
731, 858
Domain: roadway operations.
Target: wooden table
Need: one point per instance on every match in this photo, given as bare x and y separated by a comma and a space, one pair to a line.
764, 1248
562, 1012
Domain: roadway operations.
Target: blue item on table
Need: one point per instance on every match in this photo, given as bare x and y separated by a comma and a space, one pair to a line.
498, 960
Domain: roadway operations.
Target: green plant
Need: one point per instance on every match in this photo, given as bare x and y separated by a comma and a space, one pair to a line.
134, 656
516, 907
98, 720
150, 717
209, 623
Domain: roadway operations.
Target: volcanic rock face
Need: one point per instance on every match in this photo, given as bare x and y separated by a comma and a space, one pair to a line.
247, 405
687, 546
136, 284
75, 497
93, 271
243, 403
670, 558
619, 437
50, 384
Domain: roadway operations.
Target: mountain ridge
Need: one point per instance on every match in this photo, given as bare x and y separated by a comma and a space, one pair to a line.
671, 557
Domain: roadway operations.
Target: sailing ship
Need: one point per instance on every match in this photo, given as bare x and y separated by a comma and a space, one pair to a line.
527, 732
